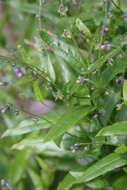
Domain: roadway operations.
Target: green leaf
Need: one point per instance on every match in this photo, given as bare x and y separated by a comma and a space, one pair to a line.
50, 68
108, 163
64, 50
37, 92
121, 149
97, 184
125, 90
25, 56
30, 8
81, 26
17, 166
26, 126
108, 74
69, 118
99, 63
119, 128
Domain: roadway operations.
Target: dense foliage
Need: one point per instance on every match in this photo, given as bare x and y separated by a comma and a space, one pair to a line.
63, 94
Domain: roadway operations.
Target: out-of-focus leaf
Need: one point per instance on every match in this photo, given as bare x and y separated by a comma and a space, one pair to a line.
119, 128
125, 90
120, 183
17, 165
27, 126
121, 149
69, 118
50, 68
48, 13
37, 92
35, 178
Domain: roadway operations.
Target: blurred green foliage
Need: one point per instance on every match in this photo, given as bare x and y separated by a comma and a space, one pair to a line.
73, 54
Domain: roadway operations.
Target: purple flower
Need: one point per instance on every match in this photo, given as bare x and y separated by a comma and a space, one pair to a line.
13, 50
120, 80
3, 108
102, 47
84, 32
125, 17
106, 29
75, 3
19, 75
95, 116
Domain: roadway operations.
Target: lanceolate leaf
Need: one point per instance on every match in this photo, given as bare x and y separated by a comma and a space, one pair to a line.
110, 72
64, 50
97, 64
119, 128
38, 92
69, 118
125, 90
101, 167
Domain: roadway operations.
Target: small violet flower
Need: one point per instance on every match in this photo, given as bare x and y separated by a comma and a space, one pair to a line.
125, 17
3, 108
102, 47
106, 29
75, 3
95, 116
84, 32
78, 79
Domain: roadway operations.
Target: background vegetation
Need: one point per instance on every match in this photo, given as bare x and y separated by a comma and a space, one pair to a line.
63, 94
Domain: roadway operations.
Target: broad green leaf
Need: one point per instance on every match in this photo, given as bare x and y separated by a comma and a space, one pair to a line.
82, 27
64, 50
38, 92
125, 90
106, 164
119, 128
69, 118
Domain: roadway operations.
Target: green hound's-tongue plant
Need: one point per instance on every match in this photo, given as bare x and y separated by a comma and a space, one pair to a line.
63, 95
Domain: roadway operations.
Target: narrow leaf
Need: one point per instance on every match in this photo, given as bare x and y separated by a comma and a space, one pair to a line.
69, 118
119, 128
101, 167
37, 92
125, 90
